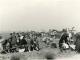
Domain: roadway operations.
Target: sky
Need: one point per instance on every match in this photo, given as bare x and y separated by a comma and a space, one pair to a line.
39, 15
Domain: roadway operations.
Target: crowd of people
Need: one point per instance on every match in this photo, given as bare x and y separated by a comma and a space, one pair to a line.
29, 41
25, 41
16, 41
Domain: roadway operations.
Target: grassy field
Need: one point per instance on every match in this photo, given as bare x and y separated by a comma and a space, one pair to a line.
36, 55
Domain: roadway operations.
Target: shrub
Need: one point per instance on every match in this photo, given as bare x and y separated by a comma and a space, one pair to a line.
53, 45
77, 42
50, 56
15, 57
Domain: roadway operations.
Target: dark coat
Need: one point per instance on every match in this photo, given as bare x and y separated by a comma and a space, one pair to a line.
63, 39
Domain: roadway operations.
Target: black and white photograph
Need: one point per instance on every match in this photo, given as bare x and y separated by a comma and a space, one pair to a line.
39, 29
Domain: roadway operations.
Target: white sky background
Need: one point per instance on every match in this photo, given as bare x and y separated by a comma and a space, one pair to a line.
22, 15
